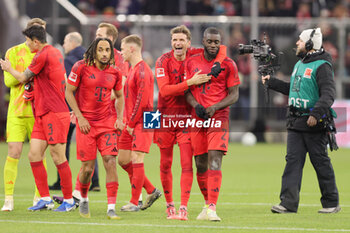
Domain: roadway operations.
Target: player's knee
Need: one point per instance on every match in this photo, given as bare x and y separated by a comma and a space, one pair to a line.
165, 165
87, 171
109, 161
201, 167
215, 164
14, 151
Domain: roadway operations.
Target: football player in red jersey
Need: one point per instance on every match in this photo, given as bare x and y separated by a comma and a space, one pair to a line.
211, 100
109, 31
96, 123
134, 142
171, 102
51, 116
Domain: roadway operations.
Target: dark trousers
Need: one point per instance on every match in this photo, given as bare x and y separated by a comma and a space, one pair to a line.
298, 144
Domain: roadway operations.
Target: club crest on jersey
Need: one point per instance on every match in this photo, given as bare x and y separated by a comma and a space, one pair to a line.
73, 77
307, 73
160, 72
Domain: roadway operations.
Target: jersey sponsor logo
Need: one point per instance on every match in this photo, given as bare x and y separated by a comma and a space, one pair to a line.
160, 72
151, 120
307, 73
73, 77
92, 76
174, 71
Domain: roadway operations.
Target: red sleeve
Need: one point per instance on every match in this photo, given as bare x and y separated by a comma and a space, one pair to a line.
220, 57
75, 74
232, 78
143, 94
118, 85
222, 54
192, 51
38, 62
162, 76
166, 89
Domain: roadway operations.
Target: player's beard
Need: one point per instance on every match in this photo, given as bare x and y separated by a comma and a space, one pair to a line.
104, 62
211, 56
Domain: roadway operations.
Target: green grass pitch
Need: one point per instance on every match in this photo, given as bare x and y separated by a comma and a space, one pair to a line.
251, 184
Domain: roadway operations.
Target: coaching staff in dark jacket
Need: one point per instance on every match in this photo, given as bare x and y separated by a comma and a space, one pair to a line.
311, 94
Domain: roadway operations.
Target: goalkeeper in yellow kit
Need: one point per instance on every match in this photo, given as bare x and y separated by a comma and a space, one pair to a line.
20, 119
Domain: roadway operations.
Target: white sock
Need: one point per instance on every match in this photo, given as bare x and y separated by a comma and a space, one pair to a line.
140, 197
111, 207
46, 198
69, 201
76, 193
84, 199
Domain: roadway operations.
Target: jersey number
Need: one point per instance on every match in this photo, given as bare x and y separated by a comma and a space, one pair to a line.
108, 136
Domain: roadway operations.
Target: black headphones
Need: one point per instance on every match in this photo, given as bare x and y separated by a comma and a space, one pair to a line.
309, 44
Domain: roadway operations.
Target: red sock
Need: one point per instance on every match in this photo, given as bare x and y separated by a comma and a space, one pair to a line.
128, 168
148, 186
66, 179
214, 185
40, 177
166, 177
202, 179
187, 172
84, 189
112, 190
138, 179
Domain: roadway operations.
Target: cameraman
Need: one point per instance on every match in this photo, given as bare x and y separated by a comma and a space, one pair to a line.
311, 94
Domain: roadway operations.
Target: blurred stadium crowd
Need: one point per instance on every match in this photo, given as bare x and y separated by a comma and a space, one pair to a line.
281, 37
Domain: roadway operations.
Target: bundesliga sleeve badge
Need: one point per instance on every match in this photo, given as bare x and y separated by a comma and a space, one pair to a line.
160, 72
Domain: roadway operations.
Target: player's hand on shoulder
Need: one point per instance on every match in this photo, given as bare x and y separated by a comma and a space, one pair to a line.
198, 79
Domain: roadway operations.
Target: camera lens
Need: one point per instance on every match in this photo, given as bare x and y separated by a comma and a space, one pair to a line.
244, 49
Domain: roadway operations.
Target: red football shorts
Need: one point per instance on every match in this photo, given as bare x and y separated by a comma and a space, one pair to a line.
102, 136
205, 139
140, 140
166, 139
52, 127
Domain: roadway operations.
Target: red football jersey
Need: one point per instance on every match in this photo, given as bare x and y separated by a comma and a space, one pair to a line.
138, 93
212, 92
49, 81
120, 63
93, 94
169, 73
